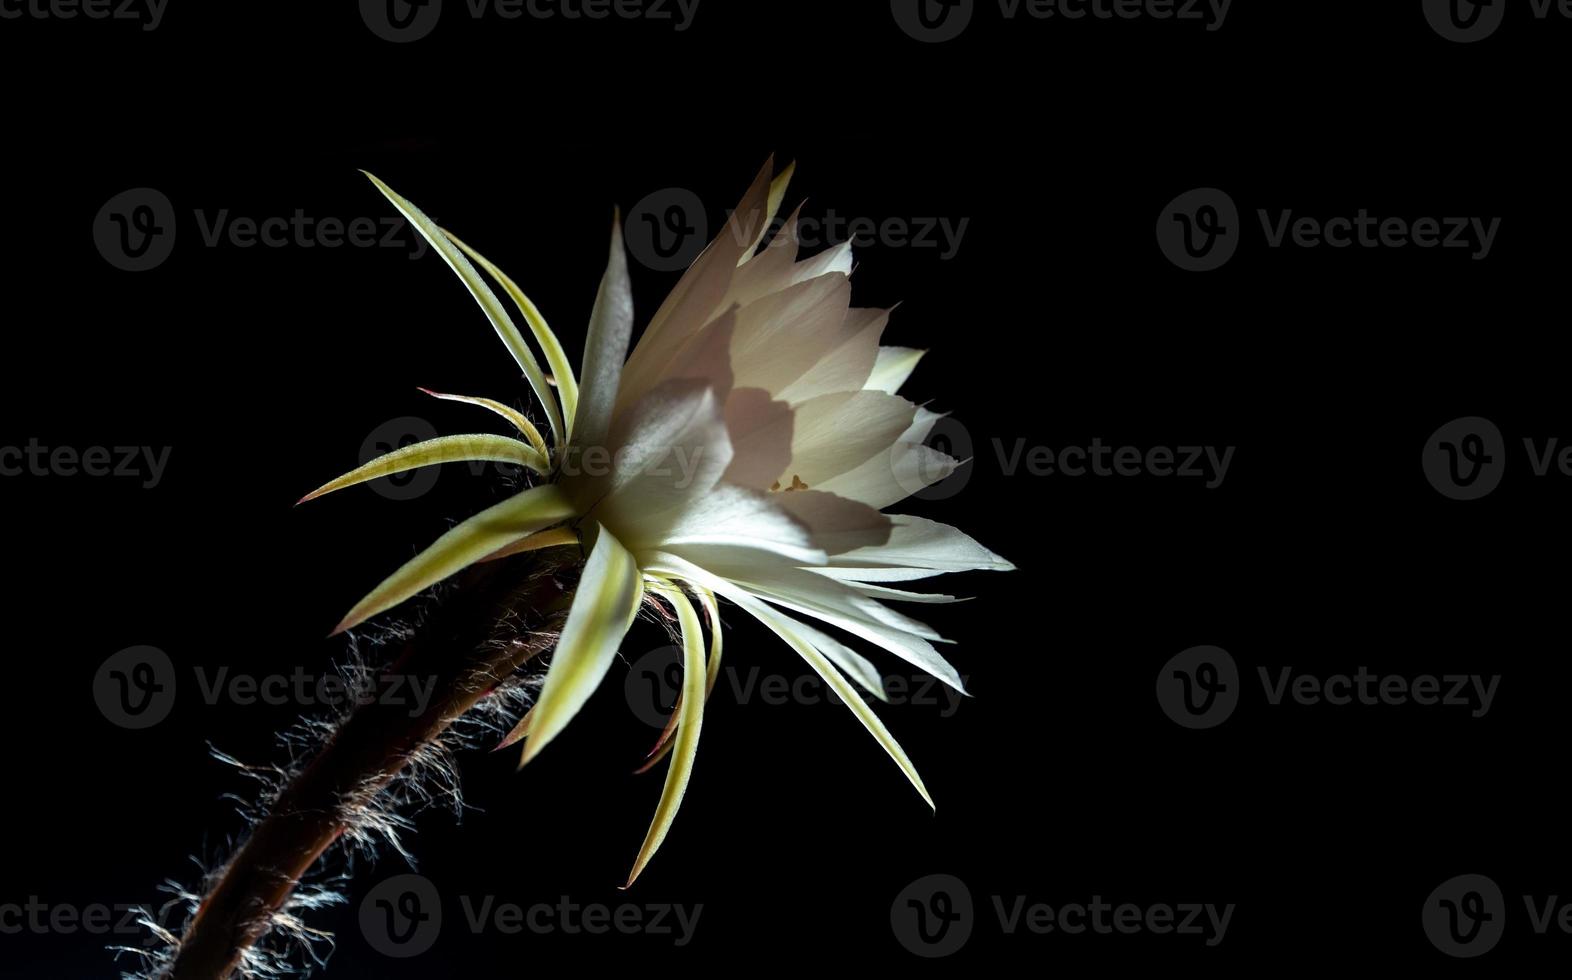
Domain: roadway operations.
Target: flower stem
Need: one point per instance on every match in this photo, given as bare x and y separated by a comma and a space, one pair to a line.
502, 614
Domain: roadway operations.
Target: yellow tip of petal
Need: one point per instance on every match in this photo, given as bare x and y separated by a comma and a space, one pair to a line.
531, 749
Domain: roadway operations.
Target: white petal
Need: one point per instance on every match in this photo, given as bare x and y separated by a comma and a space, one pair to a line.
880, 574
760, 429
697, 297
892, 476
850, 662
778, 338
846, 365
770, 271
669, 450
778, 187
829, 601
603, 608
782, 627
776, 268
834, 434
885, 594
732, 516
605, 350
836, 525
706, 357
918, 543
922, 425
839, 604
837, 258
893, 367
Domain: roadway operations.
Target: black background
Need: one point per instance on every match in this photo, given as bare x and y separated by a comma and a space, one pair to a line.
1057, 321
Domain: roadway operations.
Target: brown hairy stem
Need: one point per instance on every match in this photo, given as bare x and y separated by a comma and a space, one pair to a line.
502, 614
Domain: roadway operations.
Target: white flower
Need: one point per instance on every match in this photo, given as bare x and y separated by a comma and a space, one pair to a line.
743, 451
